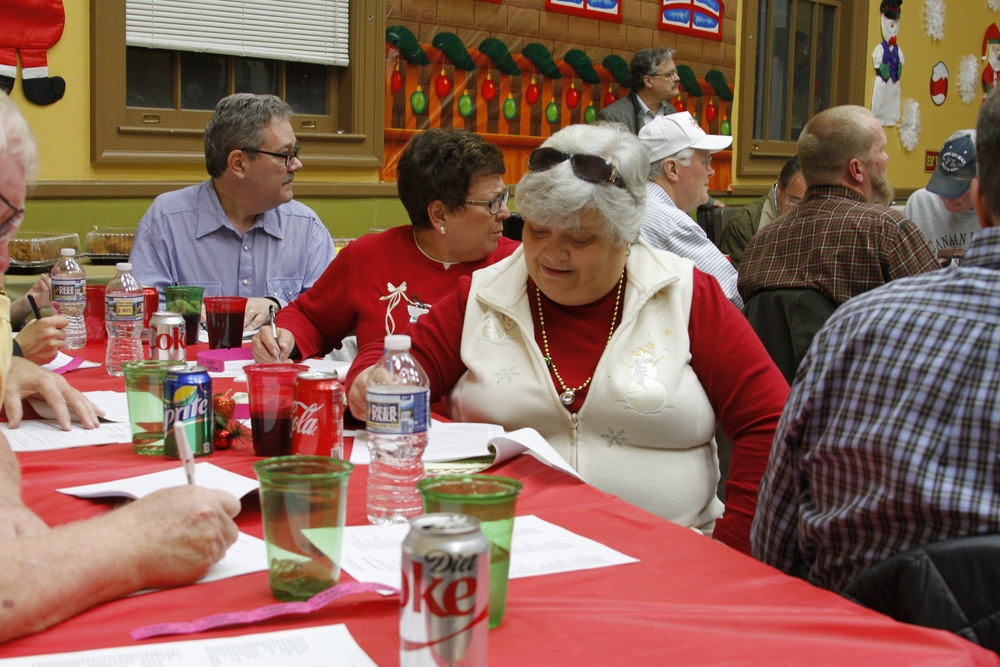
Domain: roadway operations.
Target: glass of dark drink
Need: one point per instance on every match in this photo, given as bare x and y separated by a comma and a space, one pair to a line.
272, 389
186, 300
224, 317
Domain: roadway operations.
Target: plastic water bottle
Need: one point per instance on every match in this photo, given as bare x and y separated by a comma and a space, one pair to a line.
123, 306
398, 416
69, 297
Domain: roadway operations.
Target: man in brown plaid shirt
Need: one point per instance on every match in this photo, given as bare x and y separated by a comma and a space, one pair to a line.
843, 240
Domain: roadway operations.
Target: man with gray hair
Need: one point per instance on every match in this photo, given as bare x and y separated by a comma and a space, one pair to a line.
680, 153
654, 80
239, 233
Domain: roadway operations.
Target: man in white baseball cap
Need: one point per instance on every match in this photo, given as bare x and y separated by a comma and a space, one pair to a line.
680, 155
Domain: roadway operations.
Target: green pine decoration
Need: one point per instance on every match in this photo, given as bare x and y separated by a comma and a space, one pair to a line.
689, 82
718, 81
454, 50
401, 37
619, 69
499, 55
542, 59
581, 64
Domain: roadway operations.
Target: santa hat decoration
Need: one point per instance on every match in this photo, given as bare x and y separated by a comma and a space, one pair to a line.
890, 8
939, 84
992, 36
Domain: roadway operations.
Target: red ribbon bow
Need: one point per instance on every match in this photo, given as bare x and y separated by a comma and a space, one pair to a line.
892, 42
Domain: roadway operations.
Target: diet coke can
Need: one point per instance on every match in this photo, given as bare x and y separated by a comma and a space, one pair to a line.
318, 415
445, 601
166, 336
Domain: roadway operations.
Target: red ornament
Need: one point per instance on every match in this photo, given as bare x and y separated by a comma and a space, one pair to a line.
572, 96
532, 92
609, 97
442, 85
679, 105
489, 89
710, 112
396, 81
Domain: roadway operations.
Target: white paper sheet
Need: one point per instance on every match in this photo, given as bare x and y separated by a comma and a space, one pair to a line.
62, 359
372, 553
114, 404
248, 554
39, 435
329, 645
206, 474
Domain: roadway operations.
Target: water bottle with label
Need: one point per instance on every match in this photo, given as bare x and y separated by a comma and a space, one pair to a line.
123, 309
399, 414
69, 297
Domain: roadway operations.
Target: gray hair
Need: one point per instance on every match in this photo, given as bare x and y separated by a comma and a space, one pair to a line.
681, 157
16, 138
239, 123
646, 62
556, 197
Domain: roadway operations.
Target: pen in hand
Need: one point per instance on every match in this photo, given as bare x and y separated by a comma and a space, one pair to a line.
184, 450
34, 307
274, 332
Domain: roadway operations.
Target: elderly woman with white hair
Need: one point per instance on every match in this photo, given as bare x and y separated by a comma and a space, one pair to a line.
622, 356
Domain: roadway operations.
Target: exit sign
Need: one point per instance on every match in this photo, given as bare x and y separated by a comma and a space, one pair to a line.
930, 161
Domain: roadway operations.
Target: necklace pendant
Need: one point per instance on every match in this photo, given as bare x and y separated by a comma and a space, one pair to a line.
567, 397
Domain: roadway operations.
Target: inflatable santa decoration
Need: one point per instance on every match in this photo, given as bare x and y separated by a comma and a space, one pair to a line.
991, 52
888, 62
31, 27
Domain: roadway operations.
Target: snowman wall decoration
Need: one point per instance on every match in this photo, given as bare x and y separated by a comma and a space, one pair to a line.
991, 53
888, 62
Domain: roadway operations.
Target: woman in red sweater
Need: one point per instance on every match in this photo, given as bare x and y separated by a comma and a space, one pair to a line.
451, 183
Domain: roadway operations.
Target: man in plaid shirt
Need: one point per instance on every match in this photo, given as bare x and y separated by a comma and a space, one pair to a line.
842, 240
891, 437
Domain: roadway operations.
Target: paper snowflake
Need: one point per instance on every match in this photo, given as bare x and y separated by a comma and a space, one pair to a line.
968, 76
909, 124
934, 18
994, 5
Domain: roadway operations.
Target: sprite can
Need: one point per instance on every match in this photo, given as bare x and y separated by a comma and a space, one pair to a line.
187, 404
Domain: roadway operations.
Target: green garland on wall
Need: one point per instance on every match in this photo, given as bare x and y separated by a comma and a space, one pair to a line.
619, 69
404, 40
542, 59
719, 84
581, 64
454, 50
499, 55
689, 82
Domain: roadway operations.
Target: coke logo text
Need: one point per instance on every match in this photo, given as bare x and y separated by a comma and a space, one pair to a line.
169, 341
304, 421
457, 597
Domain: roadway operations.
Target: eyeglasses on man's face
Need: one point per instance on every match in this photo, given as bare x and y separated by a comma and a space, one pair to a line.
493, 205
10, 222
670, 75
287, 157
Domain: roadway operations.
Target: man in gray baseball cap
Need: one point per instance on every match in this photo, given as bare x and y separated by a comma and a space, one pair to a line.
943, 210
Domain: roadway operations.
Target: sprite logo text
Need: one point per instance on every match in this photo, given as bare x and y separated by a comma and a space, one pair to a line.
187, 404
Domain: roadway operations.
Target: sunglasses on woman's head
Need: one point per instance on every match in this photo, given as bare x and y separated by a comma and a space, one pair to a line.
590, 168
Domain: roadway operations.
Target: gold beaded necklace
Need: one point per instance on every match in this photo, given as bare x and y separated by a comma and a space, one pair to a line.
569, 395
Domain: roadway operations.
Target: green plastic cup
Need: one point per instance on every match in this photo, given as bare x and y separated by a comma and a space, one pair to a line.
144, 393
303, 503
186, 300
491, 500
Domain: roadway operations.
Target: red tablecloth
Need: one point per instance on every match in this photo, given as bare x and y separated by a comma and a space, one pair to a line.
689, 601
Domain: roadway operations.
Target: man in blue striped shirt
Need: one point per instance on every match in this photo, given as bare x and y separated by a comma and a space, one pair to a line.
891, 436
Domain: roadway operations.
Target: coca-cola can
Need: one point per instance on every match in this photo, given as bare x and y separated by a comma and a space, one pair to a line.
445, 600
151, 303
318, 415
166, 336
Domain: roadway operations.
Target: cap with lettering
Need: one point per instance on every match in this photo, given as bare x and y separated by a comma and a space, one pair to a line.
956, 166
667, 135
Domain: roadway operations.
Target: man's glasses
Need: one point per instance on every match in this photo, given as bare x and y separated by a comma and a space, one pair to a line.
671, 74
10, 224
590, 168
494, 205
287, 157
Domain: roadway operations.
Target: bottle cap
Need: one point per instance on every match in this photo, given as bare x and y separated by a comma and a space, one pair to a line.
68, 252
123, 266
397, 342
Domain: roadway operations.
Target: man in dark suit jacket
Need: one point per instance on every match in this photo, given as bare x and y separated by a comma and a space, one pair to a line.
654, 81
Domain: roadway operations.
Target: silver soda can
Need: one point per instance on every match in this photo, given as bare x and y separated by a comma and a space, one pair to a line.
445, 601
167, 337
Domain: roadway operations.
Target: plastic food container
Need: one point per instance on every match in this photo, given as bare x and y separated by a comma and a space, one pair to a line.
109, 245
36, 252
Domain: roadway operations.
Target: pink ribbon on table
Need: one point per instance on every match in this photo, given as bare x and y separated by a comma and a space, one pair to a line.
314, 603
71, 366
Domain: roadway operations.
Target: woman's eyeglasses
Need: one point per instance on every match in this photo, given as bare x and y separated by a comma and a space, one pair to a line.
10, 224
590, 168
494, 205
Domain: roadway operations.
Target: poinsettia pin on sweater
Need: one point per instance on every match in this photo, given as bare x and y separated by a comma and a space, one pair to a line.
888, 62
31, 27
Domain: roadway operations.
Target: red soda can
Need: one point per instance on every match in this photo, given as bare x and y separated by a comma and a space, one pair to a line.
318, 415
151, 302
167, 336
445, 600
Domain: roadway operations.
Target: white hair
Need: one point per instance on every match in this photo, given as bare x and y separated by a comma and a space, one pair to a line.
681, 157
557, 197
16, 138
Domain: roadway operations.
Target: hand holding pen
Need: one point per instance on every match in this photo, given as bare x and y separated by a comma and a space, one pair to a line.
274, 333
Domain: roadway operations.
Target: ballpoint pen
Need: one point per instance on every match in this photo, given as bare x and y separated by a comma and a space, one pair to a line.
184, 450
34, 307
274, 332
